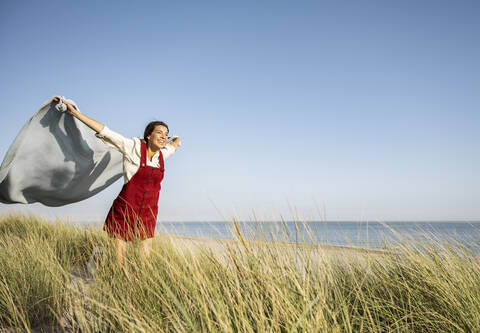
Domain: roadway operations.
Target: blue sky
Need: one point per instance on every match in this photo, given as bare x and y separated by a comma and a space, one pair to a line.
345, 109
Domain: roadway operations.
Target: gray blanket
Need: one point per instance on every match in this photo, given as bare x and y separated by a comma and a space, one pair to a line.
56, 160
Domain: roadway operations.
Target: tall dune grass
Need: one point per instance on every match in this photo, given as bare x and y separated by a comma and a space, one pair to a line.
254, 287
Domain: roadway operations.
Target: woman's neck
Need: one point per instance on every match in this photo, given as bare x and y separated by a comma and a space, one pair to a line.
150, 152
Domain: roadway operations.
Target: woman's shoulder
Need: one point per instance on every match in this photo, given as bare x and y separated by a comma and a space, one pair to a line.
137, 142
133, 149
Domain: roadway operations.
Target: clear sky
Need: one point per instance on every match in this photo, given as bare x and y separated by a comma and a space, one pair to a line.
349, 110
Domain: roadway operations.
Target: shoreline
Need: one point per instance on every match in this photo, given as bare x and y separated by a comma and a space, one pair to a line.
219, 245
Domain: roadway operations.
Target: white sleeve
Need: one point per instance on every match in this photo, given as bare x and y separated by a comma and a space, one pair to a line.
167, 151
115, 140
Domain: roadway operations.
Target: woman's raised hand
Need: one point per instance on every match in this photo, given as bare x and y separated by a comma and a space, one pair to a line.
70, 108
92, 123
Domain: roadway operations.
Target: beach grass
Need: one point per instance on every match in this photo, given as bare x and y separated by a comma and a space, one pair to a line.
250, 287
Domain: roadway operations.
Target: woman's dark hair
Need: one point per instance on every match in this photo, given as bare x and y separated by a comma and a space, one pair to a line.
150, 127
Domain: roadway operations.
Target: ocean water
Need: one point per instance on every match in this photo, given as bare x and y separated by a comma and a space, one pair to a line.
372, 235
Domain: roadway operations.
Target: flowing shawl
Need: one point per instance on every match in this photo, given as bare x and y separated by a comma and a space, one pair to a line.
57, 160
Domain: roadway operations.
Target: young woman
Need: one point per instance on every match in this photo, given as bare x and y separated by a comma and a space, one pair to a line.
133, 214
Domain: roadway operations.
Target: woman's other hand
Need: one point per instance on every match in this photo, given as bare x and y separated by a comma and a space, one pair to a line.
175, 142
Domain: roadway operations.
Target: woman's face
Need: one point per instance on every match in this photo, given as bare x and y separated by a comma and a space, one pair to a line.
158, 138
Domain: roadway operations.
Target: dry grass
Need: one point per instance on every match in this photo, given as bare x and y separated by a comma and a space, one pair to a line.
252, 287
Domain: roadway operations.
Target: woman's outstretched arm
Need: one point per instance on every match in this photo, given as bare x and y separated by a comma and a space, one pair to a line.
92, 123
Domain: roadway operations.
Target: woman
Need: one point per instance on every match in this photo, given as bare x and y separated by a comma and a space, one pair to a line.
133, 213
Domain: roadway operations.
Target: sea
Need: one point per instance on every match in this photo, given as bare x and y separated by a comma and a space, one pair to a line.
370, 235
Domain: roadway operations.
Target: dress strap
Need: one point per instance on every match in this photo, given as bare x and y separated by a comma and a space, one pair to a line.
143, 153
160, 159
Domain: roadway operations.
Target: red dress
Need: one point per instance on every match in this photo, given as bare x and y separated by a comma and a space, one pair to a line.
133, 214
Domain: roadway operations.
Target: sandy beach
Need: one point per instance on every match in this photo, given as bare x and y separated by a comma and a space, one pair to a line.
219, 245
224, 248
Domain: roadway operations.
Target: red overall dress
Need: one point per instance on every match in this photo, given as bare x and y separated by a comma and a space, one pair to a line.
133, 214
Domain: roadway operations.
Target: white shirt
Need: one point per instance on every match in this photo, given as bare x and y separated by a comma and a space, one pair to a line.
131, 151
